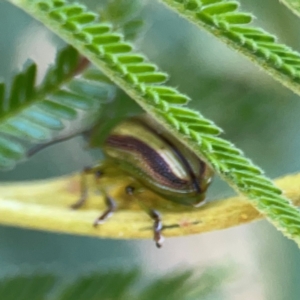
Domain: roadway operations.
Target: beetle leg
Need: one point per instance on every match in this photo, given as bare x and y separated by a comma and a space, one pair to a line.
83, 185
111, 207
155, 216
157, 227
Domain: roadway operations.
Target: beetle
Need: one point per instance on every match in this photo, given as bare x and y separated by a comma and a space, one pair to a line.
144, 150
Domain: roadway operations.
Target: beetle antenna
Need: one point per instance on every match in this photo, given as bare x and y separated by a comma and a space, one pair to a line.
39, 147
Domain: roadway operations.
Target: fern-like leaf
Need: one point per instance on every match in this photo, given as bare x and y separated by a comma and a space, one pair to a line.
223, 19
144, 82
293, 5
115, 285
30, 113
22, 287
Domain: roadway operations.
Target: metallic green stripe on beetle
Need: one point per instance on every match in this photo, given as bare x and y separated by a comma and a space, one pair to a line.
144, 150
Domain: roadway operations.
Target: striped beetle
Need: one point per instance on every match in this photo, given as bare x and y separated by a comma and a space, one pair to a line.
145, 151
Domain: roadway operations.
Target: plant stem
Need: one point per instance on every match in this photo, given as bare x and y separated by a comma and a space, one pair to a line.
44, 205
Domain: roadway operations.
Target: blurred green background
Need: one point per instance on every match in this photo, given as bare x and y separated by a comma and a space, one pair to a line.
256, 113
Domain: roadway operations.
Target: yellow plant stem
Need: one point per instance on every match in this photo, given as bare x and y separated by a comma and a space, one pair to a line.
45, 205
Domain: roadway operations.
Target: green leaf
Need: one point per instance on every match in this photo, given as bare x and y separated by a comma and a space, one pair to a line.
116, 285
123, 285
293, 5
21, 287
224, 20
37, 114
